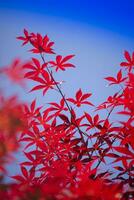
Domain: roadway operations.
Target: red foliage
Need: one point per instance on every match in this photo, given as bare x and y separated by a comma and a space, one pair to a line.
40, 44
80, 99
60, 62
12, 122
15, 71
130, 61
69, 156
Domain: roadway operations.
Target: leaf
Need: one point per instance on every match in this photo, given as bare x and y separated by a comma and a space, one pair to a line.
38, 87
18, 178
64, 118
130, 61
78, 94
67, 58
36, 62
33, 105
123, 150
24, 171
109, 78
89, 118
60, 62
127, 56
80, 97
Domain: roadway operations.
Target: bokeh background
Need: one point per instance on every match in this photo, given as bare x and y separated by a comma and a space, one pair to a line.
96, 31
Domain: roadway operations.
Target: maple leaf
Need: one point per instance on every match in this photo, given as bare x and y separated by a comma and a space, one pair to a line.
76, 122
112, 101
93, 122
130, 61
80, 98
35, 69
119, 79
32, 111
27, 177
26, 37
46, 81
57, 108
33, 158
61, 63
32, 137
124, 150
15, 71
42, 44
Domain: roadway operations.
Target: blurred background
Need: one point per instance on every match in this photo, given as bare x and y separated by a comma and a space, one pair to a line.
96, 31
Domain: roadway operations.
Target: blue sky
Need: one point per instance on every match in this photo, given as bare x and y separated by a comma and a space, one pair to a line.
96, 31
115, 15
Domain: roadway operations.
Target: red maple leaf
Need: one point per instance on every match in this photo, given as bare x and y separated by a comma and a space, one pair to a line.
46, 82
57, 108
119, 79
80, 98
27, 177
35, 69
61, 63
130, 61
40, 44
15, 71
26, 38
